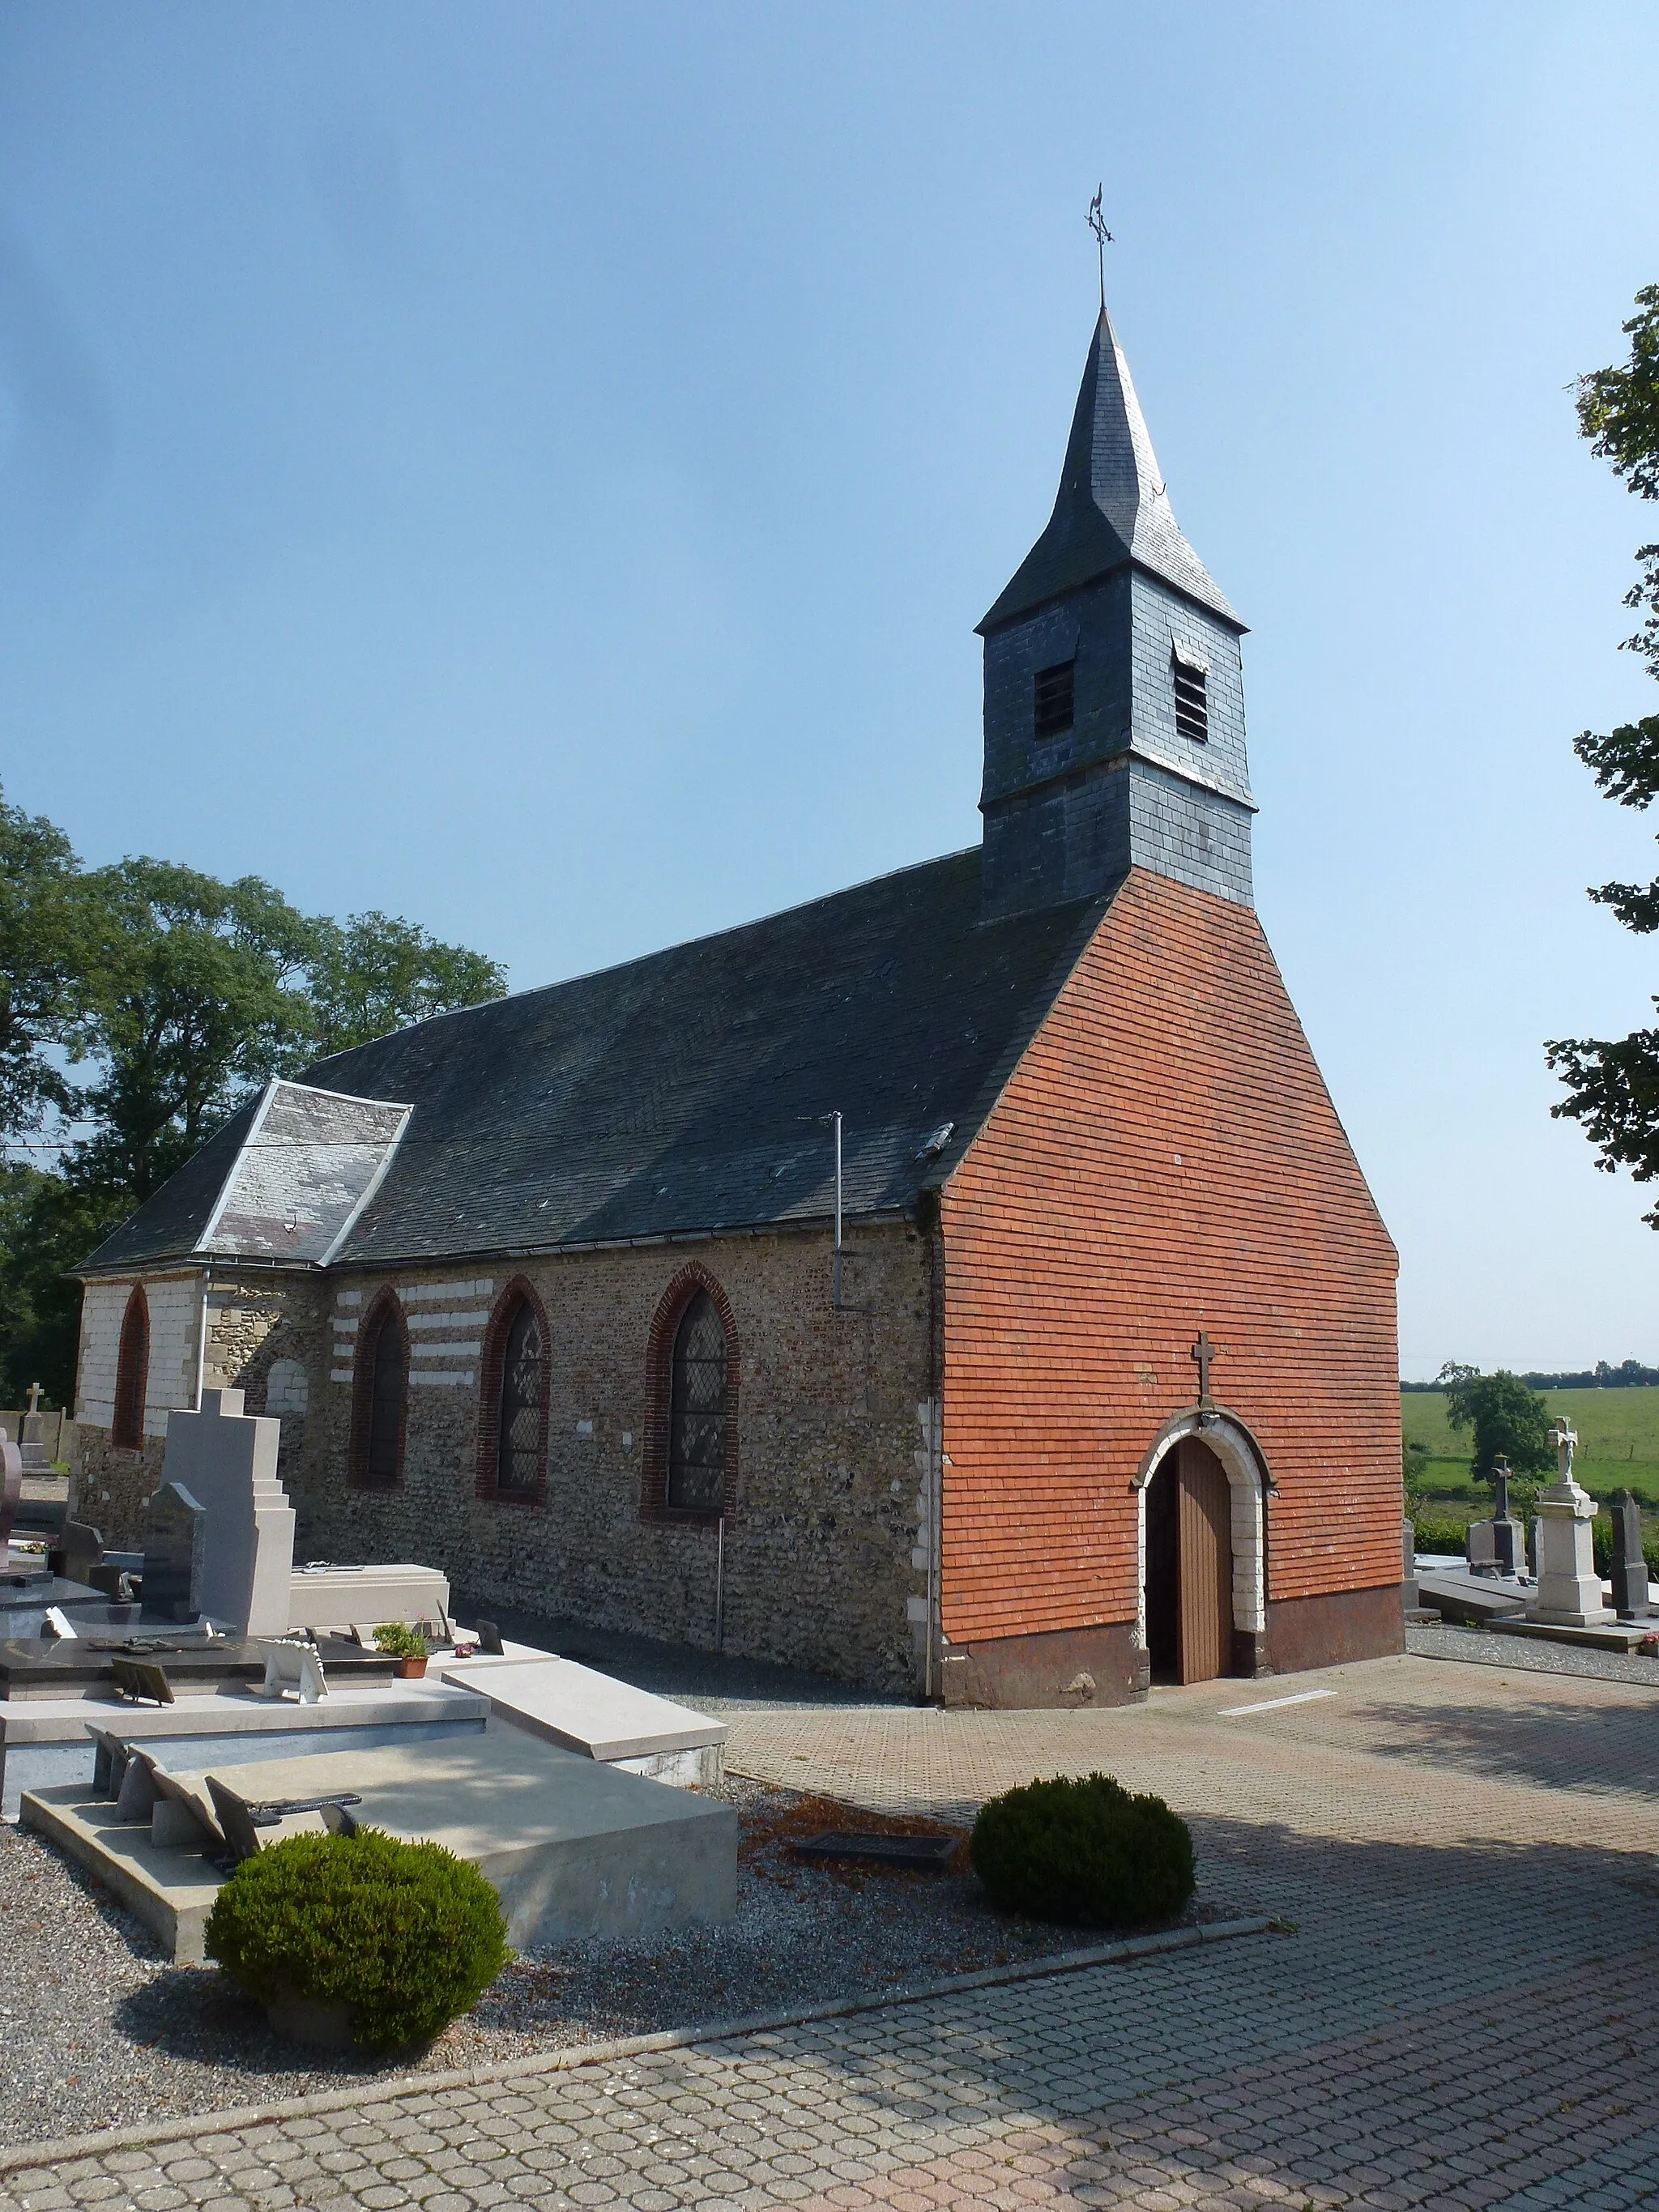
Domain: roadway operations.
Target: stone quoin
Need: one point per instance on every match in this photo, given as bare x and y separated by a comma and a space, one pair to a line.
1101, 1386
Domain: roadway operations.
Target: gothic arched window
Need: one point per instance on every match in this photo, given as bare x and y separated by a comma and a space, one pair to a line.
131, 1374
697, 1410
379, 1395
519, 1437
513, 1389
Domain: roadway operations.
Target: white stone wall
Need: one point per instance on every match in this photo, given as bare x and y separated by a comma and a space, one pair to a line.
102, 1306
175, 1303
446, 1323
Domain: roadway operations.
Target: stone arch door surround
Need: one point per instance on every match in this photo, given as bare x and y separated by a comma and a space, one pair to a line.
1250, 1486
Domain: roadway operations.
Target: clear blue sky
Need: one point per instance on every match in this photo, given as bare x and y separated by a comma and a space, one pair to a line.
535, 469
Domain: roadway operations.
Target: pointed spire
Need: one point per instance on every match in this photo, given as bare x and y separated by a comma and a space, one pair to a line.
1112, 506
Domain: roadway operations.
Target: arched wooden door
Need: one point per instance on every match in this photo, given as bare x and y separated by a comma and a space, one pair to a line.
1189, 1566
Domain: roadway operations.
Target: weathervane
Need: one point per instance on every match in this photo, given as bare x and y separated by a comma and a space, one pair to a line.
1103, 239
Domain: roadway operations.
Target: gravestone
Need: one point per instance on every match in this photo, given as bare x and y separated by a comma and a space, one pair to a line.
175, 1539
33, 1437
1408, 1548
1498, 1546
11, 1490
1629, 1568
227, 1460
1568, 1588
82, 1547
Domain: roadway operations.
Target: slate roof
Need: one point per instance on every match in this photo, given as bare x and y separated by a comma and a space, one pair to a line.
1112, 506
676, 1093
307, 1168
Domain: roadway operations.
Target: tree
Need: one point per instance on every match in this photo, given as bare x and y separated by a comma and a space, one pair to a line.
200, 997
208, 990
46, 1227
1507, 1418
1613, 1086
44, 949
378, 975
178, 995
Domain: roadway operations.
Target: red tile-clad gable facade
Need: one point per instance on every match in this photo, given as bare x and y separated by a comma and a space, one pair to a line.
1164, 1159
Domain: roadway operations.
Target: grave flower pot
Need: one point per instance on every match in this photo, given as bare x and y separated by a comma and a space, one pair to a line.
306, 2020
412, 1670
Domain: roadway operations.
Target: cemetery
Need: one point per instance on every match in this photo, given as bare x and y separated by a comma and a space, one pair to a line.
1551, 1589
171, 1714
154, 1707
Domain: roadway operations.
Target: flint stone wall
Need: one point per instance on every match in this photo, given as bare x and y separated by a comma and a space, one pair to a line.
825, 1564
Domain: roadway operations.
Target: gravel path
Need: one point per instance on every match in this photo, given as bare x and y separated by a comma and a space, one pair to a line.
1525, 1655
97, 2030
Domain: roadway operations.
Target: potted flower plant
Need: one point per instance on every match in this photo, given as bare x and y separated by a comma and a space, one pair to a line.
406, 1645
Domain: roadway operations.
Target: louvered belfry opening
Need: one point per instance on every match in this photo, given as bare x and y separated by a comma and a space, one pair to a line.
1052, 699
1192, 703
518, 1435
388, 1378
131, 1374
697, 1415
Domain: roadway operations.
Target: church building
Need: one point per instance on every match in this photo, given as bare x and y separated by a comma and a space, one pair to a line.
960, 1285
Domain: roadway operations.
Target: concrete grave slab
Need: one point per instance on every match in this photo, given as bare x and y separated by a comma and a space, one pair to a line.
1463, 1596
44, 1743
573, 1847
171, 1891
336, 1597
81, 1663
582, 1710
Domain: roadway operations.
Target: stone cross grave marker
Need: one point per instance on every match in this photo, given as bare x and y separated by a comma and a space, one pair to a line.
1568, 1588
227, 1460
1629, 1568
32, 1436
1498, 1546
175, 1550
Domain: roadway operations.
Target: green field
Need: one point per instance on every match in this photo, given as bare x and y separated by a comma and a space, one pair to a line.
1617, 1443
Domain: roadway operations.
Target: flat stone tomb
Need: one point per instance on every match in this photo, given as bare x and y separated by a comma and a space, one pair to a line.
334, 1597
24, 1599
581, 1709
81, 1666
573, 1847
45, 1743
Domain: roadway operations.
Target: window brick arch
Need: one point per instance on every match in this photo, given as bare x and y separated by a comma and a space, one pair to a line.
677, 1306
379, 1395
131, 1374
516, 1310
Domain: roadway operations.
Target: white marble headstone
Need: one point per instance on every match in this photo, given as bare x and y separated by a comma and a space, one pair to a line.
227, 1459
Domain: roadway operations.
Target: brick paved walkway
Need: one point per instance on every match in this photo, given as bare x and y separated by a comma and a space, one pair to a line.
1461, 2020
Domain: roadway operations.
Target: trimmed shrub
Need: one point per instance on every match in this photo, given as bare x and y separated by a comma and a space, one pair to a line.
408, 1934
1090, 1853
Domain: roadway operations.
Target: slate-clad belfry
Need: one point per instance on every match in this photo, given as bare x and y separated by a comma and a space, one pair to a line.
1100, 1390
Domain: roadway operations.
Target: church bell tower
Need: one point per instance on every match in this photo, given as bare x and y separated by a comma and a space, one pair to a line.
1113, 693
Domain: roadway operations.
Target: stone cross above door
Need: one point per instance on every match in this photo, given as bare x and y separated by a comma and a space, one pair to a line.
1203, 1351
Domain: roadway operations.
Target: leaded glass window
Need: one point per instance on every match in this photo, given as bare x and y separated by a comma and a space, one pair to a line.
386, 1380
519, 1437
696, 1448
